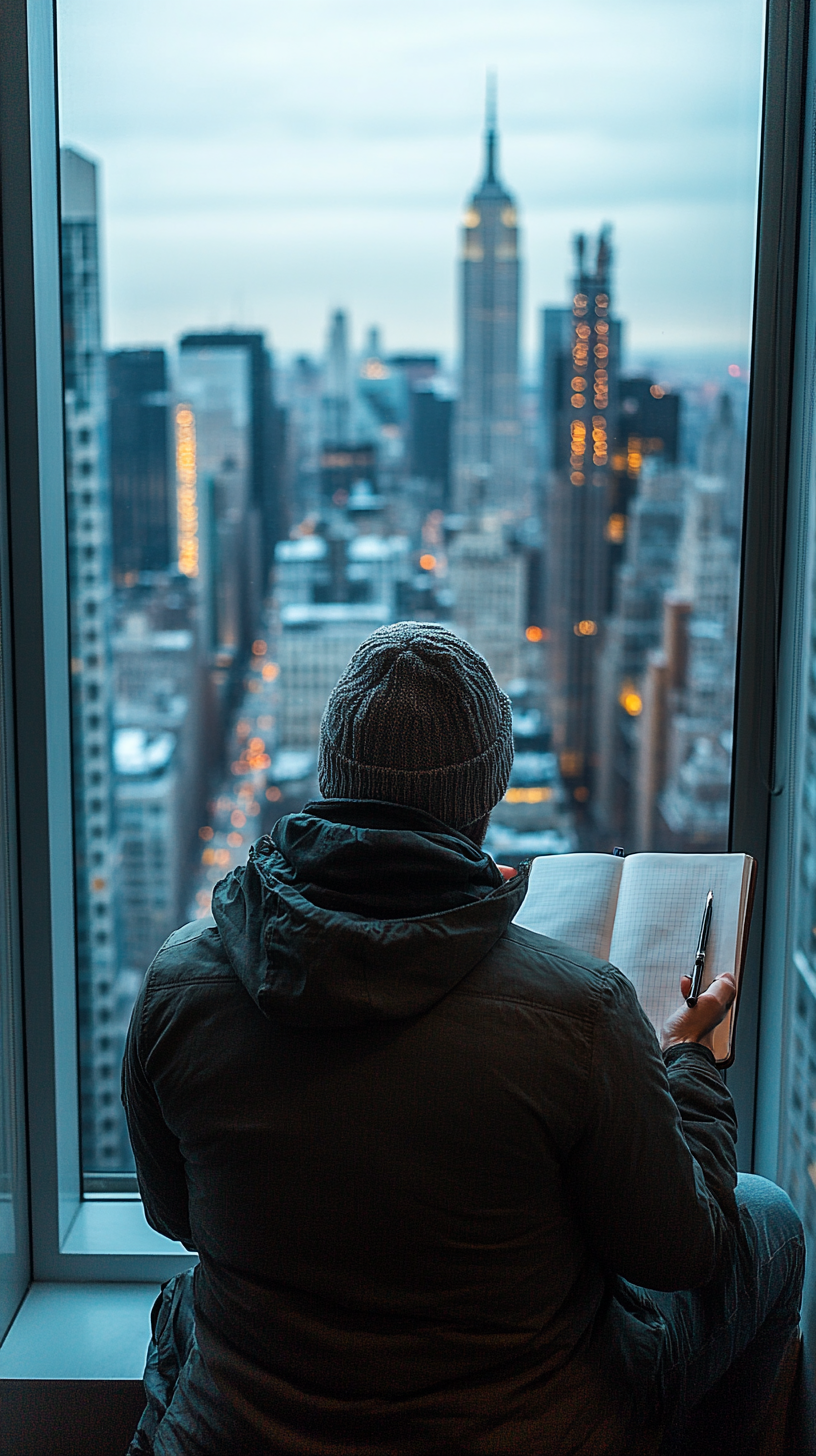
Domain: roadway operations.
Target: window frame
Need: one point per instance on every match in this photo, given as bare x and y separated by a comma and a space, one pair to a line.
76, 1239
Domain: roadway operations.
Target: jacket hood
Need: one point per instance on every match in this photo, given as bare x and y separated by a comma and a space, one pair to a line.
357, 911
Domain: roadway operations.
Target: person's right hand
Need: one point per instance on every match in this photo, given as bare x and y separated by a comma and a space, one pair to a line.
696, 1023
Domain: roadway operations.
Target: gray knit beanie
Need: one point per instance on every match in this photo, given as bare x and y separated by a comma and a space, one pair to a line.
418, 719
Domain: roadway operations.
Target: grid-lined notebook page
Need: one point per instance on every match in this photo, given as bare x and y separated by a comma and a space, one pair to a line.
572, 897
660, 909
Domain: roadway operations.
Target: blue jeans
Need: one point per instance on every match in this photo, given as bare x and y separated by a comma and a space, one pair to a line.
725, 1344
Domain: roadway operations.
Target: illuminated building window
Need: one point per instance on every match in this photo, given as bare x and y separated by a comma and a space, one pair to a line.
571, 763
616, 529
630, 700
537, 795
186, 496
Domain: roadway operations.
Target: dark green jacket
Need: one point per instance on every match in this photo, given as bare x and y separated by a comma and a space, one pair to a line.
414, 1146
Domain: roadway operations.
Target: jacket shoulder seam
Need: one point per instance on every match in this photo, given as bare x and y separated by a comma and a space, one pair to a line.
543, 1007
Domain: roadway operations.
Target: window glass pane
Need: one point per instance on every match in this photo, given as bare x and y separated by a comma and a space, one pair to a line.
14, 1261
797, 1143
343, 349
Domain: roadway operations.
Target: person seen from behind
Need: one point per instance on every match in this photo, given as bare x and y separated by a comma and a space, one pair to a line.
447, 1192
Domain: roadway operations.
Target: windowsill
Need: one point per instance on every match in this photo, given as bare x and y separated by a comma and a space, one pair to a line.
79, 1332
117, 1226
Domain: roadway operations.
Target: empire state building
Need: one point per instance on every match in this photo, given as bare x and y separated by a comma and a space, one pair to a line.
487, 449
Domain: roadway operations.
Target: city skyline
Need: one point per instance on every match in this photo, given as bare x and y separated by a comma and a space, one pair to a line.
334, 174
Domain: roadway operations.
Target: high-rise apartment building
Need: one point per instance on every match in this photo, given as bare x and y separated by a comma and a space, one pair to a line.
581, 364
89, 545
260, 425
337, 398
488, 580
684, 735
221, 421
141, 479
654, 523
429, 440
488, 455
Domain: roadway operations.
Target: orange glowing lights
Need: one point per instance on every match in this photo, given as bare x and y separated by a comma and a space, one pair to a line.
274, 794
656, 391
186, 493
583, 331
601, 301
243, 728
581, 793
534, 634
572, 762
269, 672
616, 529
259, 647
585, 628
234, 840
205, 832
577, 477
580, 301
578, 383
237, 819
538, 795
578, 401
427, 561
630, 699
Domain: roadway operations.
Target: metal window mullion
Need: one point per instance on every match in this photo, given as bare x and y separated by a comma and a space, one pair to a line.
756, 771
39, 609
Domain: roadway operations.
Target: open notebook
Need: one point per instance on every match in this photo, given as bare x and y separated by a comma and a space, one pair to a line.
643, 914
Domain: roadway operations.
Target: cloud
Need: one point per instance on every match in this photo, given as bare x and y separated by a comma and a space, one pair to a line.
273, 160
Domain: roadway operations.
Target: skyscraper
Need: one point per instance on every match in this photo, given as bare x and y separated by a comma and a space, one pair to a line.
89, 546
582, 354
264, 435
487, 434
141, 496
337, 385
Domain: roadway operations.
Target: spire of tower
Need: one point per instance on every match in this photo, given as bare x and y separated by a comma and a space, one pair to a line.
491, 130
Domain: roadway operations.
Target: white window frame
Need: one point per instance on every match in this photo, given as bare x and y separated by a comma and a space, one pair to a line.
108, 1240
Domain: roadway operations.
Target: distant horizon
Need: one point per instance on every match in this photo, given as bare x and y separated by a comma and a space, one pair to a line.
700, 365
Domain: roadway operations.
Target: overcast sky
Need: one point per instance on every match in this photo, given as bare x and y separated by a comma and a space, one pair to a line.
263, 162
